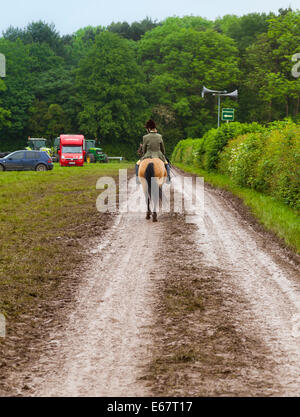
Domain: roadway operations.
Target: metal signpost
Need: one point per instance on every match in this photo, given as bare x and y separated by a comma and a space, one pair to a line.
234, 94
228, 115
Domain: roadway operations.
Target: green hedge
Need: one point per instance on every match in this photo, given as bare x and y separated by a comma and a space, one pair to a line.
187, 151
215, 140
128, 151
266, 159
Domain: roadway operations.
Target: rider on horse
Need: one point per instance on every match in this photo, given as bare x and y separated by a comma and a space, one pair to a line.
153, 147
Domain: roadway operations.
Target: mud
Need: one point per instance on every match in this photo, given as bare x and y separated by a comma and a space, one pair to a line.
253, 286
103, 343
177, 309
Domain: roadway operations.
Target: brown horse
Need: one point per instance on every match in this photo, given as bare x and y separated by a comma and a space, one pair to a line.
152, 168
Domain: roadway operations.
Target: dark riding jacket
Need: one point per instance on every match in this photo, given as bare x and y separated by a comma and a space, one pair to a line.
153, 146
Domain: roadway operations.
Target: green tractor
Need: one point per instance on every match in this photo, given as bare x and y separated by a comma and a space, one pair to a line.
55, 149
38, 144
94, 154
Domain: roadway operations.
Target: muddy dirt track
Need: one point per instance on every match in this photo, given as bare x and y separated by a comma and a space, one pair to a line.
169, 308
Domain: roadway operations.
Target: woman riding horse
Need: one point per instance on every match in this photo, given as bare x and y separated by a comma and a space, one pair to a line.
153, 147
152, 168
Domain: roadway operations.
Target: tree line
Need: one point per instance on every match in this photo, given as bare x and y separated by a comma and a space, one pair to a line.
105, 82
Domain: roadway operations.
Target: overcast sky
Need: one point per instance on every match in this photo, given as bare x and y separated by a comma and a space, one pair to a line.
70, 15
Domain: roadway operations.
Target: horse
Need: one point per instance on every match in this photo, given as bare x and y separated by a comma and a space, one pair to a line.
152, 168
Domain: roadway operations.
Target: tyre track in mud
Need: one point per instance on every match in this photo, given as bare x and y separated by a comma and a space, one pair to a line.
261, 295
105, 344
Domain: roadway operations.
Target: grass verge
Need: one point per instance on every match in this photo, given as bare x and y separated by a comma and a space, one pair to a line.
273, 215
43, 218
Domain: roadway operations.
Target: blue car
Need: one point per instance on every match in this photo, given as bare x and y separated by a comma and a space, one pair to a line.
26, 161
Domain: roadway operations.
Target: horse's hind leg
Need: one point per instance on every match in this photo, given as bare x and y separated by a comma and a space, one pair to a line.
155, 197
154, 214
148, 215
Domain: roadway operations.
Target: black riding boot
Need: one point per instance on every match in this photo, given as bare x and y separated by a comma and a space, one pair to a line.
168, 174
137, 173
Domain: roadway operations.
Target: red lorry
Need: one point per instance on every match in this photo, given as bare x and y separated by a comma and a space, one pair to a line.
71, 150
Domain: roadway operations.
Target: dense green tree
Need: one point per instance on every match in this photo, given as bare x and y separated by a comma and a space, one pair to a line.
81, 42
138, 29
4, 114
120, 28
33, 72
134, 31
110, 90
178, 61
106, 81
37, 33
245, 29
19, 94
57, 121
267, 77
47, 121
37, 123
57, 85
12, 34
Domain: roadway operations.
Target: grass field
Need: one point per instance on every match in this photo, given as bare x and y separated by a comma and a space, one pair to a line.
274, 215
43, 216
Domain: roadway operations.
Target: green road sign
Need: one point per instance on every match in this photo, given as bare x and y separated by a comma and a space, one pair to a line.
228, 114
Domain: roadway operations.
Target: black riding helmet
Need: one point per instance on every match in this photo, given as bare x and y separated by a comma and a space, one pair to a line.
150, 125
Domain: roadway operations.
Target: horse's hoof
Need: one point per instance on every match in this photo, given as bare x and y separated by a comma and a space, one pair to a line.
148, 216
154, 217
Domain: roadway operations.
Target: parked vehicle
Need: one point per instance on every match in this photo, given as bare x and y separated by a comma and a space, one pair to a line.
3, 154
55, 149
93, 153
71, 150
97, 155
38, 144
26, 161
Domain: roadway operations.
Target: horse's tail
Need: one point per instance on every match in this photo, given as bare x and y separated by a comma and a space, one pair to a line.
153, 187
149, 173
151, 183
